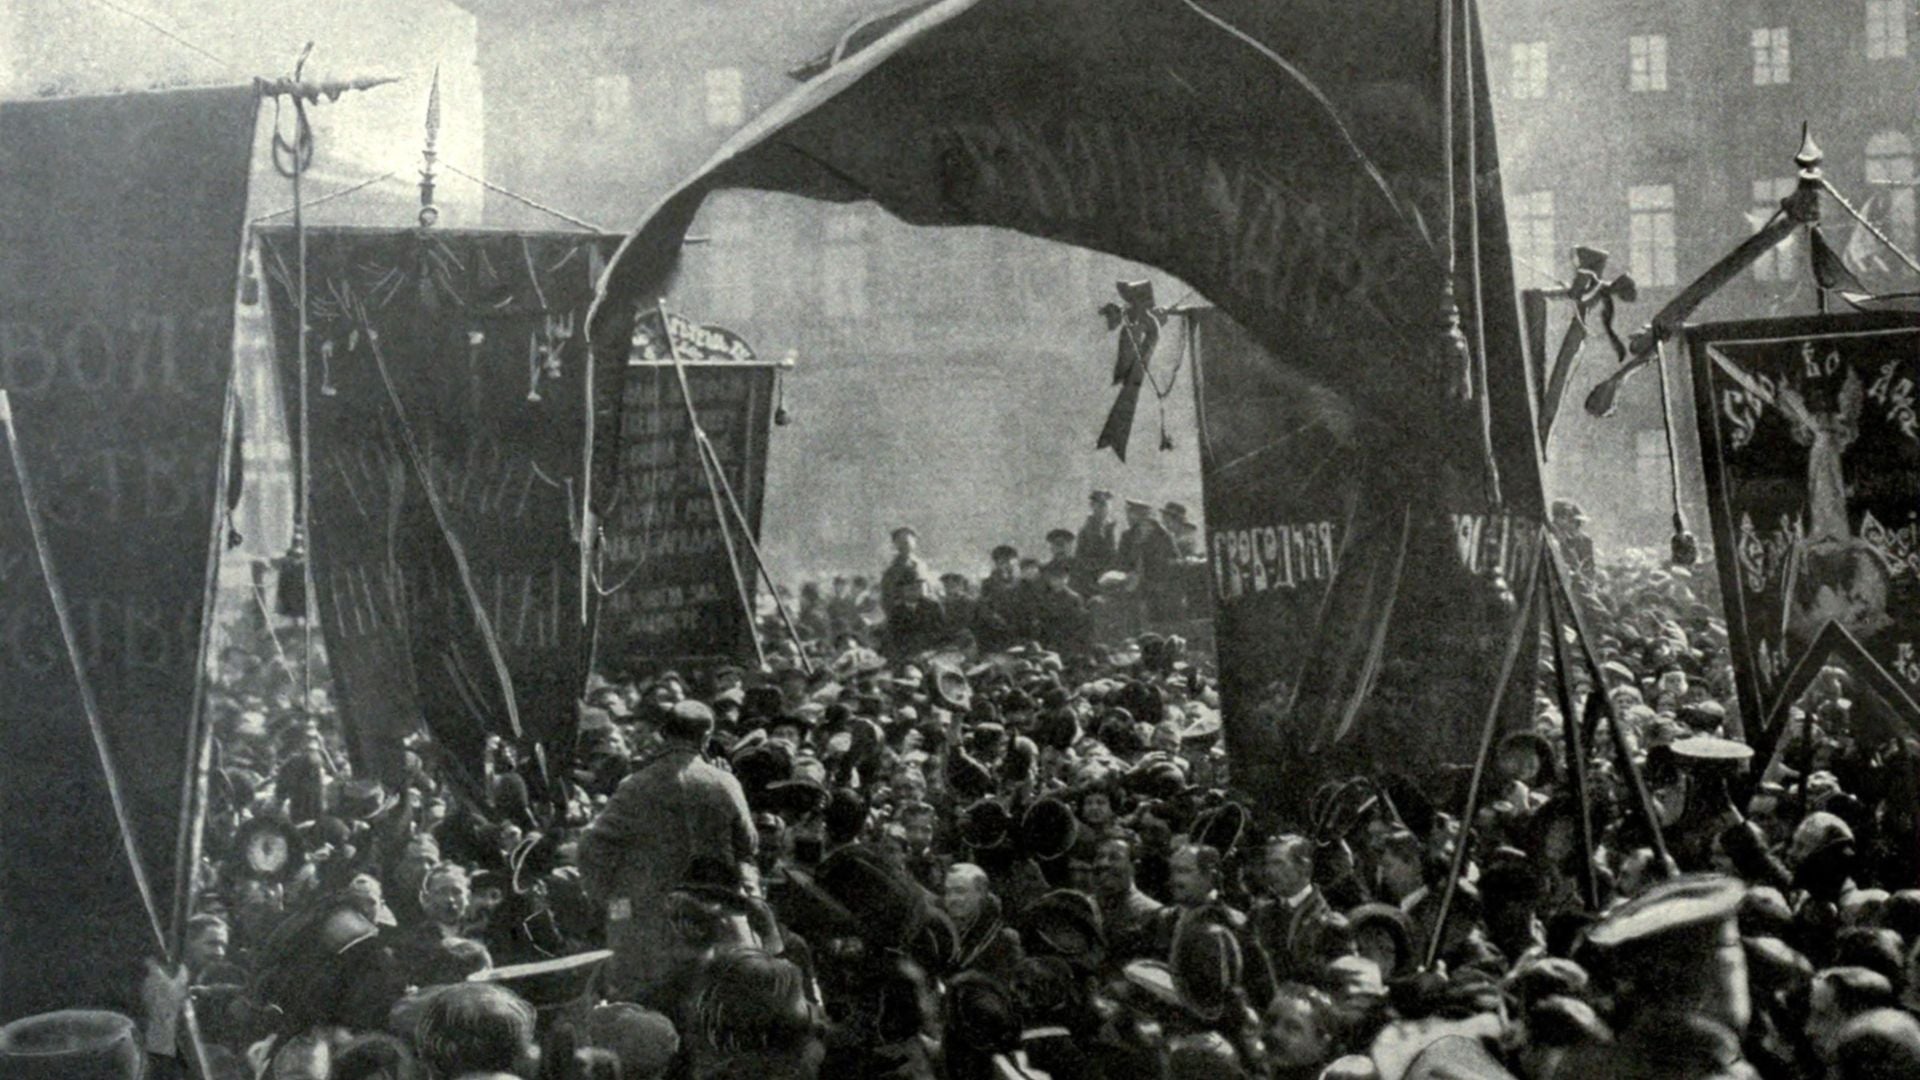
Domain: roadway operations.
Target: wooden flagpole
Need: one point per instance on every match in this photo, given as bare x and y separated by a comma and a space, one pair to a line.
1522, 616
713, 488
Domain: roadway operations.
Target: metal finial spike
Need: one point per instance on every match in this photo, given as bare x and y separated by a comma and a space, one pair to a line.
429, 152
433, 114
1809, 155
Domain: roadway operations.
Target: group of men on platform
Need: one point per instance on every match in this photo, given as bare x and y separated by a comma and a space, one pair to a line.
1145, 570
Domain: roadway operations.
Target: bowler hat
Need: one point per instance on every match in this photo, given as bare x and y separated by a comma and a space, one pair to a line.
796, 797
986, 824
270, 848
1206, 965
1048, 830
886, 904
951, 691
1066, 923
73, 1044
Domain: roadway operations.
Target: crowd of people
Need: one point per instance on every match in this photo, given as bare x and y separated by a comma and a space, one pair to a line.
1105, 581
1030, 864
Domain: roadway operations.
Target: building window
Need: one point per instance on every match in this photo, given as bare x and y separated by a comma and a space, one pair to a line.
612, 96
1536, 256
1886, 28
1648, 55
1777, 264
1771, 59
1651, 471
726, 98
1650, 221
843, 264
1890, 173
1530, 69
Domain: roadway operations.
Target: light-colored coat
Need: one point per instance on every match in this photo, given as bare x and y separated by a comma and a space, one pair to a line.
673, 808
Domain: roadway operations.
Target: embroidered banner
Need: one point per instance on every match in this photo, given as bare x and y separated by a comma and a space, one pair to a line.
1811, 442
480, 335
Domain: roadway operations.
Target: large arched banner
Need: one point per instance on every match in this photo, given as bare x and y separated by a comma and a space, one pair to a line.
1287, 161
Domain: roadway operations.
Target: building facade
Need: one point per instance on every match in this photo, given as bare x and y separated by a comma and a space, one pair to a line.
1665, 134
955, 378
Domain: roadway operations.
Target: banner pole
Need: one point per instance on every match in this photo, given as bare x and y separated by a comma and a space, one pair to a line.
64, 618
188, 846
1600, 704
1575, 748
1523, 611
753, 548
713, 489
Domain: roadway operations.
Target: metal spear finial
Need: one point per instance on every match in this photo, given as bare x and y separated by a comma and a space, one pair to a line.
429, 213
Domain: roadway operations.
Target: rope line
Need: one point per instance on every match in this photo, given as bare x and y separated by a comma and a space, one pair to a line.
170, 35
311, 203
1870, 227
519, 198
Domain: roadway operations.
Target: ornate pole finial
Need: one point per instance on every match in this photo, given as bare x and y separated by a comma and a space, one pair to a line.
429, 153
1809, 156
1803, 205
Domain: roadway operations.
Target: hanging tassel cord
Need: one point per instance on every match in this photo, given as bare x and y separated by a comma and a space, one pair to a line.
1673, 460
1482, 391
291, 159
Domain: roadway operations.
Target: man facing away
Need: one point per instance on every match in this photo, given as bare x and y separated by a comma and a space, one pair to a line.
675, 807
1147, 553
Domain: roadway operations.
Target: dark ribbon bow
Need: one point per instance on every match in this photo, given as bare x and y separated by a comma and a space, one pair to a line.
1138, 321
1589, 292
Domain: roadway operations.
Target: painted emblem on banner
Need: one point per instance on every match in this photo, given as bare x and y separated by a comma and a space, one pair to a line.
1812, 454
652, 343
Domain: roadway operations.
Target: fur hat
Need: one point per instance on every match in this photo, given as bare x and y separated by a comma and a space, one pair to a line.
886, 905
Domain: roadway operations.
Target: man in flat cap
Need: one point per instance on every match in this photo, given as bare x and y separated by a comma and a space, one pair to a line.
906, 597
673, 808
1095, 545
999, 615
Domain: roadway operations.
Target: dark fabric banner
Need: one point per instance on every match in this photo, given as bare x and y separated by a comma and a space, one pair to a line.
479, 336
1286, 161
1299, 539
1811, 442
120, 226
670, 591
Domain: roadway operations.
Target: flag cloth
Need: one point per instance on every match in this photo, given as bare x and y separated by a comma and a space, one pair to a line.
469, 344
1286, 161
671, 595
120, 227
1809, 436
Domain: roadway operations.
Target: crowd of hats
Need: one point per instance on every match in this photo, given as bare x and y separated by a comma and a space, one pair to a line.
1023, 865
